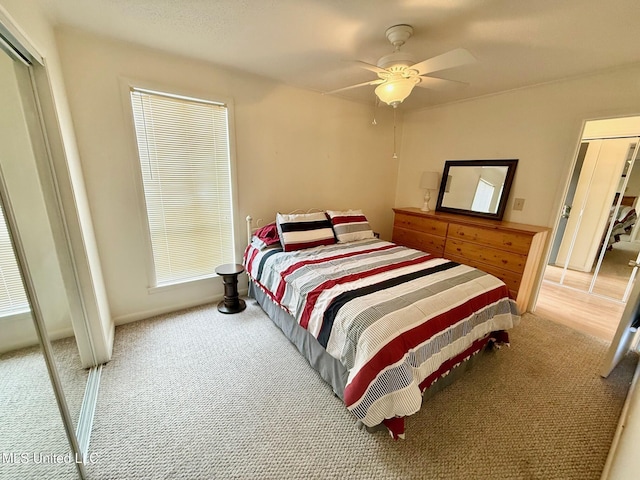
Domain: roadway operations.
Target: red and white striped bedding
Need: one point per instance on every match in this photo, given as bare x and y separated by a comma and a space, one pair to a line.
397, 318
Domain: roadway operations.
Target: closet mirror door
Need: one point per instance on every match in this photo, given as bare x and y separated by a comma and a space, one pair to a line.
32, 434
590, 216
24, 158
616, 266
37, 432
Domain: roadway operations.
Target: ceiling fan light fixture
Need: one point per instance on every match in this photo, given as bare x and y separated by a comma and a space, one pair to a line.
393, 92
398, 73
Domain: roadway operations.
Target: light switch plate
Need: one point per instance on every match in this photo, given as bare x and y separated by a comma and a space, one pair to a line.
518, 203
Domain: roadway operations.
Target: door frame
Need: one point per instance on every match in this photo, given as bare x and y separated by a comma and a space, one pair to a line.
621, 337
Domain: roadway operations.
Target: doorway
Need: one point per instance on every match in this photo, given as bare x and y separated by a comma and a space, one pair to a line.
594, 256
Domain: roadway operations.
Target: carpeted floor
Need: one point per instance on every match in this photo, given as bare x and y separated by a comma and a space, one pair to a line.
201, 395
31, 429
616, 261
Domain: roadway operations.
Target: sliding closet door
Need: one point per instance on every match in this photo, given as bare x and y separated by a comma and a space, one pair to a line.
37, 432
593, 212
32, 434
616, 268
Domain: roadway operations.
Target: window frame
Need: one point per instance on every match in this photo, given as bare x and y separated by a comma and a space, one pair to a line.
126, 85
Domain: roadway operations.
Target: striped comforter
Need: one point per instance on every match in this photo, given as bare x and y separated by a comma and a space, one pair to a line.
397, 318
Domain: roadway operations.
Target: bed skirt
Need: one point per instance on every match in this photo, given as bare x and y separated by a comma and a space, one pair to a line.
330, 369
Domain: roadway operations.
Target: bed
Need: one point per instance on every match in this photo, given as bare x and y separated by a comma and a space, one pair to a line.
623, 224
381, 323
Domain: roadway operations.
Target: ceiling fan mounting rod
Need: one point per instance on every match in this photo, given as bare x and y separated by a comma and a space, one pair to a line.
399, 34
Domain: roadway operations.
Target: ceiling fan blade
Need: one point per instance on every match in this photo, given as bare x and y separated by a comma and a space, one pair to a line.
372, 82
454, 58
369, 66
439, 83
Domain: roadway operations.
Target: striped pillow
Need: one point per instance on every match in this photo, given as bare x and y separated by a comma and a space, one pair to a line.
350, 225
305, 230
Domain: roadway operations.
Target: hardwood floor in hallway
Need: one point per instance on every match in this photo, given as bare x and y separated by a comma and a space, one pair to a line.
591, 314
574, 307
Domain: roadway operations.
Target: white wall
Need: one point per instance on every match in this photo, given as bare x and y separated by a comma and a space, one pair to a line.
462, 187
294, 149
540, 126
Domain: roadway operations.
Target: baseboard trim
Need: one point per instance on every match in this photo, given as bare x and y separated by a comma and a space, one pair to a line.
134, 317
88, 410
30, 340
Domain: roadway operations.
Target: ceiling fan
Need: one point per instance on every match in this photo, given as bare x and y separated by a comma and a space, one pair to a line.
398, 73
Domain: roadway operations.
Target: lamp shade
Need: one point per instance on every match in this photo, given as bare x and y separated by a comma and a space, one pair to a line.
429, 180
394, 91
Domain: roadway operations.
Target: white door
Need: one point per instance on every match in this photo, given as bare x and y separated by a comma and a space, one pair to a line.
624, 334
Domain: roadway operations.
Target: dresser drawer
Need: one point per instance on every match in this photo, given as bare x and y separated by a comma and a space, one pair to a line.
419, 240
421, 224
511, 279
502, 259
511, 241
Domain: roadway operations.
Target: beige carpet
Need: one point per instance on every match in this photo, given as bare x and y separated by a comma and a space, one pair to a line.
31, 429
200, 395
616, 261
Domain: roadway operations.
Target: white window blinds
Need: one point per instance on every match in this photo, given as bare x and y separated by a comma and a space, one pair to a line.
13, 299
183, 146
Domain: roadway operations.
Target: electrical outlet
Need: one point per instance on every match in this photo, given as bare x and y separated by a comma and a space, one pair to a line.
518, 204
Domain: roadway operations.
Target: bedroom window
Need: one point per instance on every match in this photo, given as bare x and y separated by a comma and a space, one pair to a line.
183, 148
13, 299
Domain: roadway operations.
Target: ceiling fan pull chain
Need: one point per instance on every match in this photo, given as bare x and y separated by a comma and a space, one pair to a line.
375, 105
395, 155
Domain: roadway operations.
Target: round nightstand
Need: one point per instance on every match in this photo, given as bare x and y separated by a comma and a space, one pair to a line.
229, 273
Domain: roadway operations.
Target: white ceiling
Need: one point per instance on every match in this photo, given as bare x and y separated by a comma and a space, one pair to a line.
307, 43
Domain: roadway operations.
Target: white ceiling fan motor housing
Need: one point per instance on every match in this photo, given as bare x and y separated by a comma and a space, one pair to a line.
397, 36
400, 59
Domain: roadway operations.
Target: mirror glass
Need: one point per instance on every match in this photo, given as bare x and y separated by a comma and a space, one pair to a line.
476, 187
34, 436
33, 443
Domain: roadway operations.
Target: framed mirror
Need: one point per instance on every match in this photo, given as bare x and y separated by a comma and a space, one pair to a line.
476, 187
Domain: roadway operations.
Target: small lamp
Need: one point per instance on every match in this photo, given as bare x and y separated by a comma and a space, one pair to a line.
428, 182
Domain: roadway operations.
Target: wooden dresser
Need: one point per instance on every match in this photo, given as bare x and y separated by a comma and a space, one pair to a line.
510, 251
